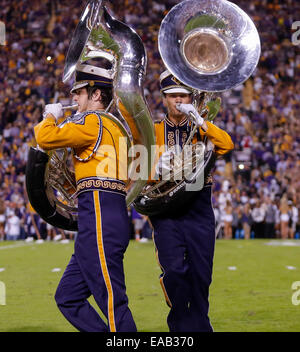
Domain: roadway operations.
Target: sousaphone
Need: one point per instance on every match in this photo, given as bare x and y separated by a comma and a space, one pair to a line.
50, 183
211, 46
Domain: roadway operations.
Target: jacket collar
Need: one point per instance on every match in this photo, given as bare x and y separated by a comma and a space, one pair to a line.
183, 122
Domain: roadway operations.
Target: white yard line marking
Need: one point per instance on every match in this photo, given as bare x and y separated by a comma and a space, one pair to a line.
16, 245
283, 243
55, 270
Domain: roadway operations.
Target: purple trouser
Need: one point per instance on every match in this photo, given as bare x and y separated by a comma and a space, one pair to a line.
96, 267
185, 248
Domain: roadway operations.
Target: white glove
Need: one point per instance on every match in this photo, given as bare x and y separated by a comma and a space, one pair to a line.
189, 108
54, 109
164, 163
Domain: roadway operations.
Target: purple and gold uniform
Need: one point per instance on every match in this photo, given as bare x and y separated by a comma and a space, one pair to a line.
96, 267
185, 240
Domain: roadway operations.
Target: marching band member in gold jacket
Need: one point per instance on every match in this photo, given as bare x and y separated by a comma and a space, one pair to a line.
185, 237
96, 267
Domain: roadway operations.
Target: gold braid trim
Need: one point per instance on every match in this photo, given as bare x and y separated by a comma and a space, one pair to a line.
105, 185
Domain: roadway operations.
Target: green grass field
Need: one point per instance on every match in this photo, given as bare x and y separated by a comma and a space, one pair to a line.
251, 289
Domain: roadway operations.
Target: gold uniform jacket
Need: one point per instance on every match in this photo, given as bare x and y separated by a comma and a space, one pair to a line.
98, 144
169, 135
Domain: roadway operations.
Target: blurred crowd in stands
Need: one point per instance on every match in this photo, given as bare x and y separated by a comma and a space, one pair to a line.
256, 186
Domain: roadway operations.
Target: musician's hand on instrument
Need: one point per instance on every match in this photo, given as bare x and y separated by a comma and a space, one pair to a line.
189, 109
164, 163
54, 109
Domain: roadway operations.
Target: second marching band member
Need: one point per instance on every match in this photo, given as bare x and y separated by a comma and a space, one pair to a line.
96, 267
185, 239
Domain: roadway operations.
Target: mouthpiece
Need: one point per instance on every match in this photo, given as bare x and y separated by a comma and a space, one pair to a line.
70, 107
178, 107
